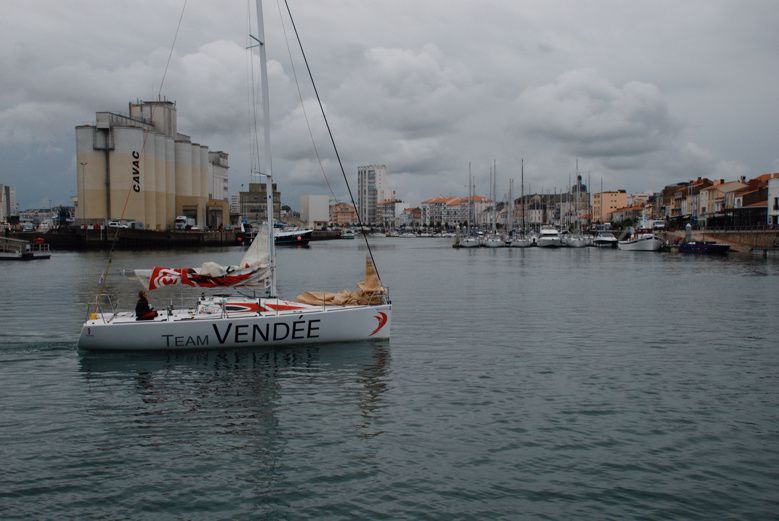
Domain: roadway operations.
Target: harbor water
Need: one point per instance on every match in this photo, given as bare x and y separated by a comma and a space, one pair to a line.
518, 384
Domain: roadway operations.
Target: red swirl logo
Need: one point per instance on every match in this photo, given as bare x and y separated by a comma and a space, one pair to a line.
382, 318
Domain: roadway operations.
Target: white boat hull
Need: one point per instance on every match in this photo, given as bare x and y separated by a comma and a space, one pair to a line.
186, 330
521, 243
548, 242
469, 242
641, 244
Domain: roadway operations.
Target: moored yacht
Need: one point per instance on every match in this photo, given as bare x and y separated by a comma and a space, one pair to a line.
605, 239
549, 237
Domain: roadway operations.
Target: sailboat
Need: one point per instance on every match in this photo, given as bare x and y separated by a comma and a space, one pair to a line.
243, 320
470, 240
521, 240
493, 240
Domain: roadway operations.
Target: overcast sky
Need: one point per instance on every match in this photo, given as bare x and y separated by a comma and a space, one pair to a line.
643, 93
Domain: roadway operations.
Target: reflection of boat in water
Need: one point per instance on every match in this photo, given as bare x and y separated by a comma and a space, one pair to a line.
250, 387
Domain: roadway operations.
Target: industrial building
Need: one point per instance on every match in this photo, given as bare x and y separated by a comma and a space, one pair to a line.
140, 168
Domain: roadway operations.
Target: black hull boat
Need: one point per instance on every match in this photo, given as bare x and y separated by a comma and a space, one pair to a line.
704, 247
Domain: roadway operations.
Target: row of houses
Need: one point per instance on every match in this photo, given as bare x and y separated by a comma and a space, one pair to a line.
710, 203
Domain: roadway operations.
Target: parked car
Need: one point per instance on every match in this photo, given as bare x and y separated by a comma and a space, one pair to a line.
116, 224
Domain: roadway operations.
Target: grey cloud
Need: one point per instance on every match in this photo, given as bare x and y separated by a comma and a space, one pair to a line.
423, 87
591, 117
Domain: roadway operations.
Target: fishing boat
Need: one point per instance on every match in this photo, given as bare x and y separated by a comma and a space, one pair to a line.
640, 240
294, 237
242, 319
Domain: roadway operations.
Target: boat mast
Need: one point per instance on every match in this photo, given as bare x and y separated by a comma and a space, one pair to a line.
510, 208
494, 197
266, 167
522, 188
470, 200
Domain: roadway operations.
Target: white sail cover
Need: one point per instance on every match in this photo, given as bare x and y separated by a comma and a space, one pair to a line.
252, 271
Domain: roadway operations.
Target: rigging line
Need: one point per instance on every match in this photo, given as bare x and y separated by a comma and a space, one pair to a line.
302, 105
103, 281
172, 46
332, 139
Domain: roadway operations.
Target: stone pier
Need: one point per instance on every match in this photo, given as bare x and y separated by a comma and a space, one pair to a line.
739, 240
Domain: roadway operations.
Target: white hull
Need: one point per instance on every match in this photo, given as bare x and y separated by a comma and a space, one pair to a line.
521, 242
469, 242
493, 242
641, 244
576, 242
548, 242
188, 329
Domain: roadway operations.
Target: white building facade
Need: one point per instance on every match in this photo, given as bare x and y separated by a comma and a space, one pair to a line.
315, 210
371, 188
773, 201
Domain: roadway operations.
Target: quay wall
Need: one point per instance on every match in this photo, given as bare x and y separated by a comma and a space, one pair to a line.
739, 240
129, 239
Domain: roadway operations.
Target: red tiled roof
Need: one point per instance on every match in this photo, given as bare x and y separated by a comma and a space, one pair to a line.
763, 178
434, 200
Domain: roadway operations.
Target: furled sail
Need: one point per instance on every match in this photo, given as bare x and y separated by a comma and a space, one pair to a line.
253, 270
369, 292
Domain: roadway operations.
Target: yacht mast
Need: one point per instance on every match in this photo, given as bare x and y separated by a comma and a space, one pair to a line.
266, 166
522, 188
510, 208
494, 197
470, 200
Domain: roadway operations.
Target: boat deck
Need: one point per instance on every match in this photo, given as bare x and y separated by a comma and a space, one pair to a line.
216, 307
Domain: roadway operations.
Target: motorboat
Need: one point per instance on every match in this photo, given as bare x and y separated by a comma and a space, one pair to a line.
701, 247
549, 237
704, 247
241, 319
605, 239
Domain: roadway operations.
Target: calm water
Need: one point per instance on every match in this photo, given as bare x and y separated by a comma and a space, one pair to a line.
533, 384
